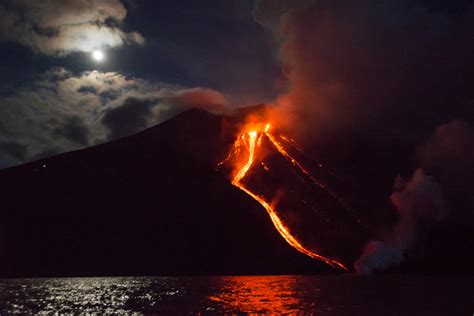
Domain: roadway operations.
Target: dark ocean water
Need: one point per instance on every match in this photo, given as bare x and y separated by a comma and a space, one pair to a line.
323, 295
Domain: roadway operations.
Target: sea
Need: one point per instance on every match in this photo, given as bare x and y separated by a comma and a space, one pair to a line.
290, 294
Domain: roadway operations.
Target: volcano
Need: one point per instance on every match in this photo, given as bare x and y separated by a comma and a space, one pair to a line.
156, 203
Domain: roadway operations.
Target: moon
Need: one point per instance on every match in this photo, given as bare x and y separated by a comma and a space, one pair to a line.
98, 55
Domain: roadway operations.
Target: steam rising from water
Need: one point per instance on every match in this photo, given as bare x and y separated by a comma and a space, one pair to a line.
418, 200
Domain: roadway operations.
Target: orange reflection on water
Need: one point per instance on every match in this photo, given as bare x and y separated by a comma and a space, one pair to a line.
257, 294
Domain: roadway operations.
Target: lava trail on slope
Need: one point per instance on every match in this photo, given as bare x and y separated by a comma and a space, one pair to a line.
243, 156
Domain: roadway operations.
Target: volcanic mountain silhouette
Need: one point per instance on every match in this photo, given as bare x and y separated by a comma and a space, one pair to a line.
151, 203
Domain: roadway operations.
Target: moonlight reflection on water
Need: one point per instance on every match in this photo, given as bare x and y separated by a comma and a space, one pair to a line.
325, 295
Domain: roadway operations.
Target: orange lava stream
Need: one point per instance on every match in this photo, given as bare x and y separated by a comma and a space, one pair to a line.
291, 141
285, 154
274, 217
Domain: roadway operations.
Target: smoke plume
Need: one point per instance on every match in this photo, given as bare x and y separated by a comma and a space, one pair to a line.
417, 201
353, 65
385, 72
448, 155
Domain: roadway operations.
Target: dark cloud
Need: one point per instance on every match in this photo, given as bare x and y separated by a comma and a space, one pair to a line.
75, 130
64, 111
13, 151
130, 117
3, 129
87, 89
136, 113
109, 95
59, 27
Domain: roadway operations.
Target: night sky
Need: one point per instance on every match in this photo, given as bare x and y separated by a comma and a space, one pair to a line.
335, 65
377, 88
161, 57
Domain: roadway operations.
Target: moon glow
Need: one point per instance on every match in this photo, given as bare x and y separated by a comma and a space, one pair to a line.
98, 55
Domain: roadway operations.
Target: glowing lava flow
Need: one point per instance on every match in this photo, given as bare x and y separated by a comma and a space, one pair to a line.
285, 154
252, 139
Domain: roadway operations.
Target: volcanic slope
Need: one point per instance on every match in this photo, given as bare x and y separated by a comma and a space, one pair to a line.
151, 203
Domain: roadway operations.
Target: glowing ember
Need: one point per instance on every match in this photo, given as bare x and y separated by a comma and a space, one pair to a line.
250, 140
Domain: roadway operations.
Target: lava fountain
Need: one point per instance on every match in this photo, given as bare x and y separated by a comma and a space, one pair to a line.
251, 140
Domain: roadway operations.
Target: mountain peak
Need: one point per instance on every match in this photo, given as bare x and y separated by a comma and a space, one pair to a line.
155, 195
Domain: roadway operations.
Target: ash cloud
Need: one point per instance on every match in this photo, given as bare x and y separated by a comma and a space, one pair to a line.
353, 65
60, 27
63, 111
